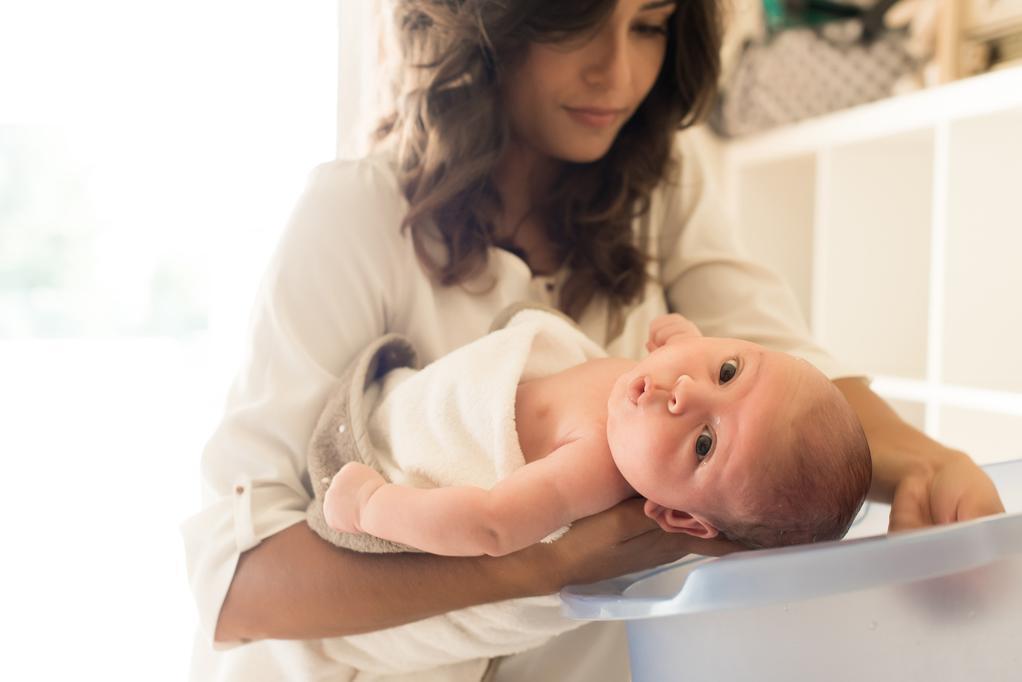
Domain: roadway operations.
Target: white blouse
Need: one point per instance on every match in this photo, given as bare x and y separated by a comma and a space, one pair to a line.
342, 275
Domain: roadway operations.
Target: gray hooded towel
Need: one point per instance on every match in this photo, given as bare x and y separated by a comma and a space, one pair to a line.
342, 436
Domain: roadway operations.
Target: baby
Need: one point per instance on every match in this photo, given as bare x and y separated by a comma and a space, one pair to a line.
721, 436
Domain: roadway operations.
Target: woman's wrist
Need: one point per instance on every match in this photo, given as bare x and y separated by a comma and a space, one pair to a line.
894, 463
900, 452
295, 585
531, 572
923, 464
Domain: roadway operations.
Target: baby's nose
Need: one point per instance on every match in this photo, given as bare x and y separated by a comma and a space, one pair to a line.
684, 395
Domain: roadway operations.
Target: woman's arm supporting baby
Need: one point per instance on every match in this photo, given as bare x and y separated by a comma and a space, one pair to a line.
577, 479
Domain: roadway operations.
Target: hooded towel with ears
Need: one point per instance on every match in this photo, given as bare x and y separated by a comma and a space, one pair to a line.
450, 423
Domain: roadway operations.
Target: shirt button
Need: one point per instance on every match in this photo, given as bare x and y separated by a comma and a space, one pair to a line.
239, 489
550, 287
342, 428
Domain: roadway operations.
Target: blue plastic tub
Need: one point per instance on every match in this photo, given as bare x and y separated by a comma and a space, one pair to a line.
937, 604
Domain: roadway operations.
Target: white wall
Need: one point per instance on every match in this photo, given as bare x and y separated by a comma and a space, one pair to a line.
909, 212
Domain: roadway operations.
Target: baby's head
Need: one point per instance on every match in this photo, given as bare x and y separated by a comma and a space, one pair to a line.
726, 437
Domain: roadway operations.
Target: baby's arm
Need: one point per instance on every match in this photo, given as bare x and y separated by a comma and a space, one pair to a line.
576, 480
669, 327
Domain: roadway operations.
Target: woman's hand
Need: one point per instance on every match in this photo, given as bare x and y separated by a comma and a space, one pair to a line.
954, 489
614, 542
925, 482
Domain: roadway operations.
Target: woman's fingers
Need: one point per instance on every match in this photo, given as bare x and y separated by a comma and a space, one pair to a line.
618, 524
622, 540
910, 507
713, 547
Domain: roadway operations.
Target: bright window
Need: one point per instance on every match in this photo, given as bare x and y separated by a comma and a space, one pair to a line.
150, 154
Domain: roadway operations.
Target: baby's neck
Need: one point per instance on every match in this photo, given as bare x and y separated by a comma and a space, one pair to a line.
552, 410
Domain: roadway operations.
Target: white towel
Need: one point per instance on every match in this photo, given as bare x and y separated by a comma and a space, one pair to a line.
453, 423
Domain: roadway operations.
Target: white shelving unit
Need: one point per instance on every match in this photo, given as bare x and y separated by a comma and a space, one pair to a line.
899, 226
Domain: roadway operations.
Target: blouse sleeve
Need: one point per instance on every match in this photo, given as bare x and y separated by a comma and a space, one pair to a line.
329, 290
709, 278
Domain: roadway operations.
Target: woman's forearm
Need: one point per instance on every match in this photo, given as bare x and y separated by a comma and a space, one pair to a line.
295, 585
925, 482
899, 450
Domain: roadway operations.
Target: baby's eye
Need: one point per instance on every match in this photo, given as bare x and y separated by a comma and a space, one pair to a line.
703, 444
728, 371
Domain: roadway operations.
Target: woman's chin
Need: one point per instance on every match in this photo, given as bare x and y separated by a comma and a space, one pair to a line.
583, 151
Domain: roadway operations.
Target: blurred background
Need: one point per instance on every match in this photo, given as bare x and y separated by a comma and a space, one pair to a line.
150, 155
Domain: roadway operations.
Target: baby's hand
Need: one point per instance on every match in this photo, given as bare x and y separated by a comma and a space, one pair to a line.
348, 492
664, 328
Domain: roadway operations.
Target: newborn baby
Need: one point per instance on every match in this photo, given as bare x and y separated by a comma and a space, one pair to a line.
720, 436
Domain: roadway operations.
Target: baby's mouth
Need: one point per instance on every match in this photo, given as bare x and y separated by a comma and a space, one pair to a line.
639, 387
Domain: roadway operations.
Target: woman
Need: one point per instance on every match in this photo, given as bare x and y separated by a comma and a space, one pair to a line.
532, 156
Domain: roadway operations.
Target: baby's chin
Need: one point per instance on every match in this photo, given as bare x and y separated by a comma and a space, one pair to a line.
617, 392
615, 419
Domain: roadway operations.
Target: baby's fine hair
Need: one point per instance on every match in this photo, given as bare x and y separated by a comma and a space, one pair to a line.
814, 493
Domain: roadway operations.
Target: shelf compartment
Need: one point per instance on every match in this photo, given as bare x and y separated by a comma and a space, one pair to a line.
875, 254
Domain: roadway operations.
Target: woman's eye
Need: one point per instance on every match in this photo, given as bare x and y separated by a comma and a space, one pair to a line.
728, 371
651, 29
703, 444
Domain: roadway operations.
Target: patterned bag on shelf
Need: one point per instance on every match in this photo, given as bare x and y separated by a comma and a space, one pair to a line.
797, 73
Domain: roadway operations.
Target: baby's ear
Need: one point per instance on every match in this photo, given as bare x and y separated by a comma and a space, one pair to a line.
676, 521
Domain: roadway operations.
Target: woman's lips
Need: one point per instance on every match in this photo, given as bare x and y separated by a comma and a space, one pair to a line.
594, 117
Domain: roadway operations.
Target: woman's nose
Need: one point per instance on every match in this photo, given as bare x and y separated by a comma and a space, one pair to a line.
607, 67
686, 394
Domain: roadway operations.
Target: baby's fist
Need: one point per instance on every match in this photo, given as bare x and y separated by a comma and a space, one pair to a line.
350, 487
664, 328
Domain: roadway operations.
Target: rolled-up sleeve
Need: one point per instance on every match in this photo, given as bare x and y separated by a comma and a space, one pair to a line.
709, 277
327, 293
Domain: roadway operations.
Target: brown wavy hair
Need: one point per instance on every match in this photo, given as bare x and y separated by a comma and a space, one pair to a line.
450, 130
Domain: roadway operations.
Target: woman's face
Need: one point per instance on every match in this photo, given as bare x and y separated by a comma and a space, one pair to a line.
568, 100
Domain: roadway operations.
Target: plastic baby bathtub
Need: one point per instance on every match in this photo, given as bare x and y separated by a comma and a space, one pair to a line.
938, 604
